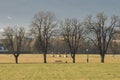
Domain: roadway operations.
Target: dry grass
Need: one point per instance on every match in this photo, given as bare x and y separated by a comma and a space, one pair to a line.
38, 58
50, 71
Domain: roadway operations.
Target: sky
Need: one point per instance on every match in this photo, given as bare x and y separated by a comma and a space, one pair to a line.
21, 12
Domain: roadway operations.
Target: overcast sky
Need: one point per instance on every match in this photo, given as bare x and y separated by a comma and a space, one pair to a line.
21, 12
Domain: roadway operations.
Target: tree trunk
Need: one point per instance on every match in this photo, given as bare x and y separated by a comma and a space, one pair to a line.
102, 58
16, 55
45, 61
16, 59
73, 58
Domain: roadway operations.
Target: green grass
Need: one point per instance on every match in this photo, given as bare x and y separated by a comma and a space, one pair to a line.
60, 71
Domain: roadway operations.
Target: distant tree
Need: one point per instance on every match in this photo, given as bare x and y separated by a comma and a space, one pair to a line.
115, 43
14, 40
102, 32
43, 26
73, 32
58, 45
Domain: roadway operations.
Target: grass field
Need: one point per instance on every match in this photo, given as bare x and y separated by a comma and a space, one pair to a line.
34, 69
38, 58
54, 71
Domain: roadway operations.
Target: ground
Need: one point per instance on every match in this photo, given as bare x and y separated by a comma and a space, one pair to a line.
31, 67
38, 58
62, 71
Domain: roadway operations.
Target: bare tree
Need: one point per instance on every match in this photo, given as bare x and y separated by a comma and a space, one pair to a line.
73, 32
102, 32
14, 39
43, 26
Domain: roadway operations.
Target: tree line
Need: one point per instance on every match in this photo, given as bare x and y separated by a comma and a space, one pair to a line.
95, 33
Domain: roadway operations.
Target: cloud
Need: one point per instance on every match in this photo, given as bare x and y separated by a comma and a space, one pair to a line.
8, 17
1, 30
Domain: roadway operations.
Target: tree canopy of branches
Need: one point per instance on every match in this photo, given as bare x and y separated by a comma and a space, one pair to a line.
14, 38
102, 31
43, 26
73, 32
